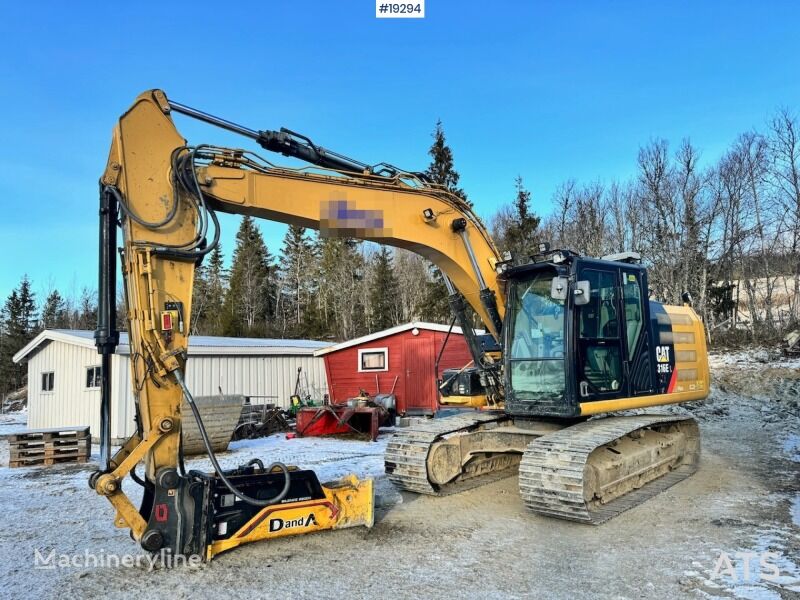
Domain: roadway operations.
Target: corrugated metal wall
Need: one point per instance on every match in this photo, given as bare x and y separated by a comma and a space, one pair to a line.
272, 376
122, 410
70, 404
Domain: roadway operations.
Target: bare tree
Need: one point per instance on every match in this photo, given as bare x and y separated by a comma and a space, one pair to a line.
785, 167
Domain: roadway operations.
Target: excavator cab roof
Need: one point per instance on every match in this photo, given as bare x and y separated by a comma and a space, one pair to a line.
563, 259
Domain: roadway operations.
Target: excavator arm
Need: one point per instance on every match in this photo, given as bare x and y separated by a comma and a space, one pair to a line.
164, 193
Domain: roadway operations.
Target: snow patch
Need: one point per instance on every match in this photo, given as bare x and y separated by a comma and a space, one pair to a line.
791, 447
13, 422
750, 582
753, 359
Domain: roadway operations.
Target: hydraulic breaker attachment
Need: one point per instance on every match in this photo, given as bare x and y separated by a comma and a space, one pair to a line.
309, 506
197, 515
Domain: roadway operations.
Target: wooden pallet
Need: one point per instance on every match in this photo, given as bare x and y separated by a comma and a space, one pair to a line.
46, 435
84, 450
45, 447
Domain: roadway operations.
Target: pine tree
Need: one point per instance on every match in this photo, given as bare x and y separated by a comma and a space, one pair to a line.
54, 312
434, 306
217, 281
200, 298
520, 233
441, 169
251, 297
384, 296
208, 296
19, 326
341, 290
296, 283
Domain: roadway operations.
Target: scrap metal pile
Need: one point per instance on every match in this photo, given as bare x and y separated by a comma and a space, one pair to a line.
259, 421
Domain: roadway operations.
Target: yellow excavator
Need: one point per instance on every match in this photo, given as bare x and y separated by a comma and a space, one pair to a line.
567, 338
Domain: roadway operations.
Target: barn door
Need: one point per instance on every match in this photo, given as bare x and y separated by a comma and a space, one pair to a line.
420, 386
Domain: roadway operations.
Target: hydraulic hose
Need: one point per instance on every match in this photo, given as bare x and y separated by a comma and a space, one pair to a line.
110, 189
207, 443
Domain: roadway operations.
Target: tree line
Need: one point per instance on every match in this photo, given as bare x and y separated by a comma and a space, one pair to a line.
727, 232
22, 318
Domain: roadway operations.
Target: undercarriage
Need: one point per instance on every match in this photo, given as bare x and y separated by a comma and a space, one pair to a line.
587, 472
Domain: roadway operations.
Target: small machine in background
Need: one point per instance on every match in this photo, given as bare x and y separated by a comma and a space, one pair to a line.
361, 416
302, 396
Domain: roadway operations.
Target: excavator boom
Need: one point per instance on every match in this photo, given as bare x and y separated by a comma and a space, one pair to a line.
165, 194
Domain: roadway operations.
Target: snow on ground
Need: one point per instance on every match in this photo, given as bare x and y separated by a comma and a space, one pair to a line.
758, 391
13, 422
763, 570
752, 358
481, 543
330, 458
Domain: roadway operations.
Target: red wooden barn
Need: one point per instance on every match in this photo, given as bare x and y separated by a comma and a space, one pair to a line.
402, 358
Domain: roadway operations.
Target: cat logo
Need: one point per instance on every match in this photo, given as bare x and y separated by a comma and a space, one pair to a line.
662, 354
277, 524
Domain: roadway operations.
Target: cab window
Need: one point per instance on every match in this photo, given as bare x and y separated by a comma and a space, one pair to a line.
632, 297
536, 352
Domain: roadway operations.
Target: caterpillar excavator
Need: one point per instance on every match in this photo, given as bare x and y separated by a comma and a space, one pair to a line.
568, 339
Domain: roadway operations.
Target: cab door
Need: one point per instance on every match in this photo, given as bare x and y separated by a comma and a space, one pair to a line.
601, 368
637, 332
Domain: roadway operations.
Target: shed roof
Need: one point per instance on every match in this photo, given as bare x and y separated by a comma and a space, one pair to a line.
199, 345
386, 333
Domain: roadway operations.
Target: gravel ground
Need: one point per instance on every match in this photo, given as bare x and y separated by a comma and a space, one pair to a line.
481, 543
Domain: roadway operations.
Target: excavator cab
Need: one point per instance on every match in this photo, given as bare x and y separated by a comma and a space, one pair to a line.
579, 331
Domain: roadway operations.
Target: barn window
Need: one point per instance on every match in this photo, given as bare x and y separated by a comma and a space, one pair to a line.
373, 359
93, 377
47, 381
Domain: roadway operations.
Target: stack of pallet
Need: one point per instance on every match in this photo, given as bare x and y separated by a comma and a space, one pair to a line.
44, 447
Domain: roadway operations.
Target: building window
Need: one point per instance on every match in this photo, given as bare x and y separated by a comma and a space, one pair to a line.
47, 381
93, 377
373, 359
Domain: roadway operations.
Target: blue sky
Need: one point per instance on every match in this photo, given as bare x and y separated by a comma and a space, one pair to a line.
547, 90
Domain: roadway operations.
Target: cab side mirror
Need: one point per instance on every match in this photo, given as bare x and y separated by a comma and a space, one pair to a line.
558, 288
582, 292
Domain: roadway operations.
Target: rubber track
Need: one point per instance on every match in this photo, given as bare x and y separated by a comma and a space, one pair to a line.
555, 487
407, 452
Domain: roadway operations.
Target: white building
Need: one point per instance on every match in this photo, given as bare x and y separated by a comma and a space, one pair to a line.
64, 369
